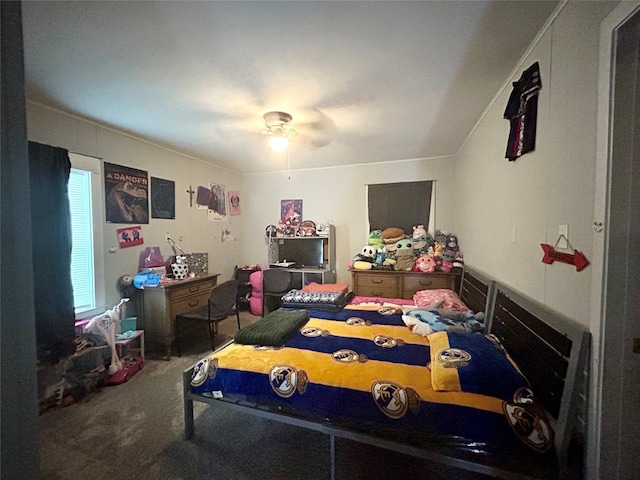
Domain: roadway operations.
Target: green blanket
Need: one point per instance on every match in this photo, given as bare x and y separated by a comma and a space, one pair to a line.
274, 329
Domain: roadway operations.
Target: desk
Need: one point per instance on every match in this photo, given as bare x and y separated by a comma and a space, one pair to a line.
161, 304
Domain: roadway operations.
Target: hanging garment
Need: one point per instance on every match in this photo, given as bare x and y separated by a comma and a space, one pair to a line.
522, 113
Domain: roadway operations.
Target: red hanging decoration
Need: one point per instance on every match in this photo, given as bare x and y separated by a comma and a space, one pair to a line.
551, 255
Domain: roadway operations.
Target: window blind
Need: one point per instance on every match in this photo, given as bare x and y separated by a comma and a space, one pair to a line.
82, 254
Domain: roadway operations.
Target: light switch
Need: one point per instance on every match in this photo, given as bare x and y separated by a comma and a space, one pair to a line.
514, 234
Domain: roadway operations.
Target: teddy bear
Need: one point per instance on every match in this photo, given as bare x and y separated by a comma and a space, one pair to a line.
425, 264
403, 255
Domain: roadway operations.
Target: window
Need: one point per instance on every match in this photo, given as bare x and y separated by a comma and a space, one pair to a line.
87, 265
403, 205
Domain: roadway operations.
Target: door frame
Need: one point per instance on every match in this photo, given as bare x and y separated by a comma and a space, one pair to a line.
602, 455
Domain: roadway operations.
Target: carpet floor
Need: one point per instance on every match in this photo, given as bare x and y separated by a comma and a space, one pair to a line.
135, 431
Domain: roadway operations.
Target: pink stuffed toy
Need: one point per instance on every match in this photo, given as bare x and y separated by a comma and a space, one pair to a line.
425, 264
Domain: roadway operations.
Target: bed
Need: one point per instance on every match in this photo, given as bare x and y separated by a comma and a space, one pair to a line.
399, 395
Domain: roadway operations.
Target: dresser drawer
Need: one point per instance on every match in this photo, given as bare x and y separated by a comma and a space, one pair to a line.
380, 285
425, 281
188, 304
377, 281
190, 290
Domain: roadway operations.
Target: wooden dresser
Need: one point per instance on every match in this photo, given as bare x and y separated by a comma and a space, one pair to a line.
161, 304
397, 284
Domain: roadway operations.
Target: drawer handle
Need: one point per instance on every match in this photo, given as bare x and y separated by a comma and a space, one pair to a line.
376, 294
194, 304
194, 289
426, 284
376, 280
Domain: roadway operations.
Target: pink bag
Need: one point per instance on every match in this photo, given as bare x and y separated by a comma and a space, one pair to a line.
150, 257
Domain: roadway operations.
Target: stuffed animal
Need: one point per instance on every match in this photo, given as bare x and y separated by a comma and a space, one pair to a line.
403, 255
436, 250
422, 240
425, 264
445, 266
384, 259
392, 235
440, 237
426, 322
375, 239
365, 259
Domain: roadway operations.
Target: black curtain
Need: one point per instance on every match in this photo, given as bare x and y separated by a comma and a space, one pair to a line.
49, 169
403, 205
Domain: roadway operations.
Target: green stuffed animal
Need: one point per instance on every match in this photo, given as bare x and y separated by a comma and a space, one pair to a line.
403, 255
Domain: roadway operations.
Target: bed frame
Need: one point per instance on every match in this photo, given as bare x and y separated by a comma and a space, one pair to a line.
550, 349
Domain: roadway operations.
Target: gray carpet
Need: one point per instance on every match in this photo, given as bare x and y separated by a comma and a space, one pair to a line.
135, 431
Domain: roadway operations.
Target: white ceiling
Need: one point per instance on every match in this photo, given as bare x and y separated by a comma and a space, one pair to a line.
364, 81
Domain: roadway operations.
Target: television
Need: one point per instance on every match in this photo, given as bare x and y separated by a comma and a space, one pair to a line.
304, 252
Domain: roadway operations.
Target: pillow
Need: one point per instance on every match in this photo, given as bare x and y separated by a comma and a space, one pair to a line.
448, 298
474, 363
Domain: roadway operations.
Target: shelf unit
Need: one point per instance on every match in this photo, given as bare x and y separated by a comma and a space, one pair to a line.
303, 276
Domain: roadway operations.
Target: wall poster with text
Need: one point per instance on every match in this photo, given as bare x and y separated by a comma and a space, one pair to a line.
126, 194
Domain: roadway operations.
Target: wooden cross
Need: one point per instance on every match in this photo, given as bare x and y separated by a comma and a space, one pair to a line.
190, 192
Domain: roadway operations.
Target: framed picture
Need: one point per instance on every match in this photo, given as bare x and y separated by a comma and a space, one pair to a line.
126, 194
163, 198
130, 236
290, 212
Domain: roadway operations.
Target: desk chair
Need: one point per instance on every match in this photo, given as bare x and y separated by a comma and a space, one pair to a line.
222, 303
275, 283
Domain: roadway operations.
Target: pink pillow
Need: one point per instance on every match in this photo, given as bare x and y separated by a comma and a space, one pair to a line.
450, 299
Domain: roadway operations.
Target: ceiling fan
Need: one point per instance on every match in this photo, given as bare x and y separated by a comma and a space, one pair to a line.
278, 130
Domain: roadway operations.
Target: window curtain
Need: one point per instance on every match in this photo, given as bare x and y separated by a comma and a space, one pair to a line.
402, 205
49, 169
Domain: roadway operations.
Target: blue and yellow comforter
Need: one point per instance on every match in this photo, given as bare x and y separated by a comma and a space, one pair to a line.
367, 370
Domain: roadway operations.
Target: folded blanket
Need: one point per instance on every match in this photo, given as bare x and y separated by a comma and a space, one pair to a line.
274, 329
326, 287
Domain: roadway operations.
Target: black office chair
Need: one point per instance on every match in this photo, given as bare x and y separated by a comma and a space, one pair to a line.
275, 283
222, 303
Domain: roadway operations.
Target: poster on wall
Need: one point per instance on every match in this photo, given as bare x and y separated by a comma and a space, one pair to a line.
126, 194
163, 198
217, 208
234, 203
290, 212
203, 196
130, 236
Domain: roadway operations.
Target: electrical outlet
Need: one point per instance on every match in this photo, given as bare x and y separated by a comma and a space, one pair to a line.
166, 236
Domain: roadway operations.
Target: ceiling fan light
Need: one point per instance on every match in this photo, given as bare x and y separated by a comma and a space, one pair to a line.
278, 143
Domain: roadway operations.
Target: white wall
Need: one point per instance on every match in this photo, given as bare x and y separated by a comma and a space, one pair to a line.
337, 195
554, 185
45, 125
